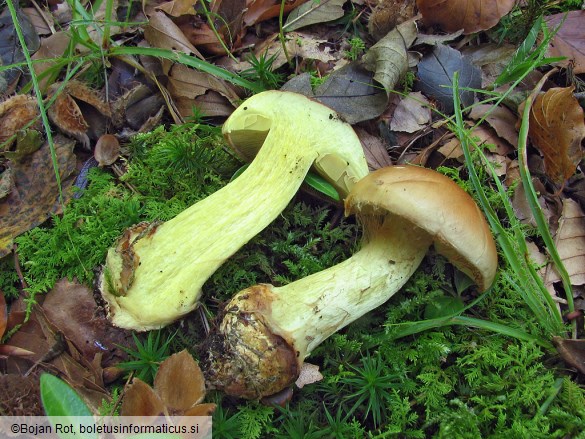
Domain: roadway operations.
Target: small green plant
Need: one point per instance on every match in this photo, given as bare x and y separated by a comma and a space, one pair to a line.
370, 387
356, 47
147, 356
262, 73
408, 81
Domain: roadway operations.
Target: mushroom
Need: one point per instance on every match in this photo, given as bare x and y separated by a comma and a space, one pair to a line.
154, 273
266, 332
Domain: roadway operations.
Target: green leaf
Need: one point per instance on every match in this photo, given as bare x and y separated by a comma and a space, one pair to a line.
59, 399
443, 307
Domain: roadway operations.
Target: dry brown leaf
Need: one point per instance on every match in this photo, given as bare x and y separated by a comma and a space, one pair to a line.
176, 8
141, 400
20, 396
50, 52
190, 88
35, 194
570, 244
163, 33
179, 382
572, 351
469, 15
500, 119
569, 41
42, 22
557, 129
260, 10
374, 149
71, 309
412, 114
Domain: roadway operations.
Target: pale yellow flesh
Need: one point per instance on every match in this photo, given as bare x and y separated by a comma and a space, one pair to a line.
309, 310
186, 250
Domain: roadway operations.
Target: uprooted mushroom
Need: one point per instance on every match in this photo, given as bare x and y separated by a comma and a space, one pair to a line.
154, 273
266, 331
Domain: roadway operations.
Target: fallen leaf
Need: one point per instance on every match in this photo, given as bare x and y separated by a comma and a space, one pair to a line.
470, 15
435, 73
260, 10
163, 33
313, 12
179, 382
309, 374
374, 149
35, 194
569, 41
41, 21
572, 351
303, 45
179, 388
19, 395
412, 114
388, 57
188, 88
500, 119
557, 128
71, 309
388, 14
570, 244
176, 8
50, 53
435, 40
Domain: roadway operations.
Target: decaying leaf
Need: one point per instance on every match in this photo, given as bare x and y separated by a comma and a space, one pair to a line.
374, 149
50, 52
557, 128
71, 309
388, 14
260, 10
569, 41
35, 196
78, 111
388, 57
312, 48
189, 87
313, 12
163, 33
19, 395
570, 244
500, 119
412, 114
572, 351
179, 388
436, 71
469, 15
107, 150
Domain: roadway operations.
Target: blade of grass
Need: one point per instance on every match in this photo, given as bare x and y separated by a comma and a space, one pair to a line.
187, 60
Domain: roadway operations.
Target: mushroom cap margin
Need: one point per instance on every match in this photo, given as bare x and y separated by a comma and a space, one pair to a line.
436, 204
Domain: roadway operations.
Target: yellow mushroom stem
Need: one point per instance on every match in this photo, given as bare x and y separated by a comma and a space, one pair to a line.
267, 331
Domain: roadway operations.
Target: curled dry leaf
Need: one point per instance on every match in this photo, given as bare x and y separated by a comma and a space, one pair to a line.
163, 33
179, 389
500, 119
374, 149
107, 150
388, 57
469, 15
260, 10
557, 129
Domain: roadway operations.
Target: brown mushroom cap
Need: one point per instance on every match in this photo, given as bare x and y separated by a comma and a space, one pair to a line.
436, 204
